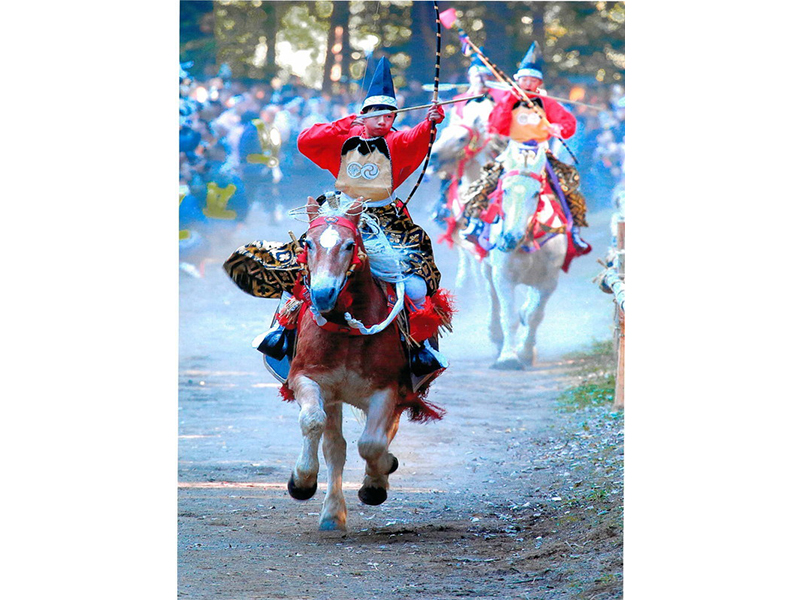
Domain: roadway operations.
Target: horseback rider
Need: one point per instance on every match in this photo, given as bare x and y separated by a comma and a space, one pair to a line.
527, 128
471, 114
369, 159
477, 74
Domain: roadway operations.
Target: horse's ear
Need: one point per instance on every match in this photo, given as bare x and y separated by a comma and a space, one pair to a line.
312, 209
355, 210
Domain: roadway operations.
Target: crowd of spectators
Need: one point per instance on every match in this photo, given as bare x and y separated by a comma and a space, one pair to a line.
217, 135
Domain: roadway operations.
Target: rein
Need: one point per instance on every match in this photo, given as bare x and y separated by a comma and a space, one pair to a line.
354, 326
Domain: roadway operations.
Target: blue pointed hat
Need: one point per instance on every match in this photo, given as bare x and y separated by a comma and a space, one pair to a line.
530, 67
381, 90
477, 65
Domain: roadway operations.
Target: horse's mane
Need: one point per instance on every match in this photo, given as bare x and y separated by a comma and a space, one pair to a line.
385, 262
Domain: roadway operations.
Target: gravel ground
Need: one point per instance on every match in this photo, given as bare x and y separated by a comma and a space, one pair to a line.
516, 493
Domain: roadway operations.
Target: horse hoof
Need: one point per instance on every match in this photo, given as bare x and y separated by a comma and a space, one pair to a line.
395, 464
299, 493
508, 364
332, 525
372, 496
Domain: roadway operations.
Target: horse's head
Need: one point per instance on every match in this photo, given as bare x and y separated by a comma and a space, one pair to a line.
457, 140
334, 249
520, 188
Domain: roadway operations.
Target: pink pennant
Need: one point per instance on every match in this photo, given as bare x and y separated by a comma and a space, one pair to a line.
448, 18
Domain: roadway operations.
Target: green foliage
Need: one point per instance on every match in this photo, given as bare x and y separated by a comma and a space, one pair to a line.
590, 394
584, 41
598, 380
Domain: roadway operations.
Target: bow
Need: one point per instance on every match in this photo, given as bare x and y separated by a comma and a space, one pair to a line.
435, 99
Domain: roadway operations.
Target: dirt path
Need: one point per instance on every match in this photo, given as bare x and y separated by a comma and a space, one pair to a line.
508, 496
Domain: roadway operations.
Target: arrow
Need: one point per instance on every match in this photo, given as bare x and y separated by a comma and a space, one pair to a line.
379, 113
499, 85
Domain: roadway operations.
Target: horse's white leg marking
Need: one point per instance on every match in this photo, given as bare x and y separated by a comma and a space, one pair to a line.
495, 330
312, 423
531, 315
461, 272
373, 445
334, 447
504, 288
474, 269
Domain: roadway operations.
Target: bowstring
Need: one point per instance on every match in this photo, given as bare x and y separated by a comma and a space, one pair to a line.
403, 205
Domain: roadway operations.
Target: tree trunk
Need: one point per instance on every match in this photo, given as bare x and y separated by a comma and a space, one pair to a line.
499, 29
537, 14
274, 12
422, 43
338, 39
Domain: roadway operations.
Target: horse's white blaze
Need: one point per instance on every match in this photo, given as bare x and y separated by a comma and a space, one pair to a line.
329, 238
326, 279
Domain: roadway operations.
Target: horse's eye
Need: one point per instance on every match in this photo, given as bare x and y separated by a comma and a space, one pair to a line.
348, 245
308, 243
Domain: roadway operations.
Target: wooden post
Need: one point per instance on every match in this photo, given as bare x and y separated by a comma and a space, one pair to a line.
619, 391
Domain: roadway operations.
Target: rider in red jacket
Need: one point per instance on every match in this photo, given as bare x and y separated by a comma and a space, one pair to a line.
368, 159
531, 126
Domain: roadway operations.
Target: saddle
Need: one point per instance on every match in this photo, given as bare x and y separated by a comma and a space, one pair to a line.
414, 325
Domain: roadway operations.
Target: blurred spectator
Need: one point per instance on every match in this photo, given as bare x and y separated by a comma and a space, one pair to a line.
216, 134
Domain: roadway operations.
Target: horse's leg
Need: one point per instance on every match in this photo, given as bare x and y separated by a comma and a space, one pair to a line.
531, 315
303, 482
504, 288
495, 330
474, 268
334, 447
462, 269
373, 446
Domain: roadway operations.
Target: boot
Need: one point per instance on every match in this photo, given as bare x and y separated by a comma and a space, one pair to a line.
581, 246
426, 360
277, 343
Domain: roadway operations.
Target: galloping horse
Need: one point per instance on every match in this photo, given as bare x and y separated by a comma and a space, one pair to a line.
460, 150
527, 251
340, 360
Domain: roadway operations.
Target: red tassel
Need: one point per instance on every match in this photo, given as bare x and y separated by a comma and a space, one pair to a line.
445, 303
287, 395
419, 409
447, 236
438, 311
424, 323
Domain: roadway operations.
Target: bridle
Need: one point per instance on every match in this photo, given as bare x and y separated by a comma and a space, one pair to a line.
359, 256
359, 260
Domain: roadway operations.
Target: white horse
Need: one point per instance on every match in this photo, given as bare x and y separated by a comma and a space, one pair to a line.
460, 150
514, 260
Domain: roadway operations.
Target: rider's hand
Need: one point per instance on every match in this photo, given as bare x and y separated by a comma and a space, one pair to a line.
357, 121
435, 114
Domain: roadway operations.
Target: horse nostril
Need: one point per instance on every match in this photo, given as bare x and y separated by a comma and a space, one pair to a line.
507, 242
324, 298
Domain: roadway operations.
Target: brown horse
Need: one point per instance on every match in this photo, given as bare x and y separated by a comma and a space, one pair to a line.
340, 360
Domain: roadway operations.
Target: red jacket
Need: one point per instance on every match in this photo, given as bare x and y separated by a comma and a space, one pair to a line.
322, 144
500, 118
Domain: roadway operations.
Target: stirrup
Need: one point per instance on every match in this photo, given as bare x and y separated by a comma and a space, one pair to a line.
474, 229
